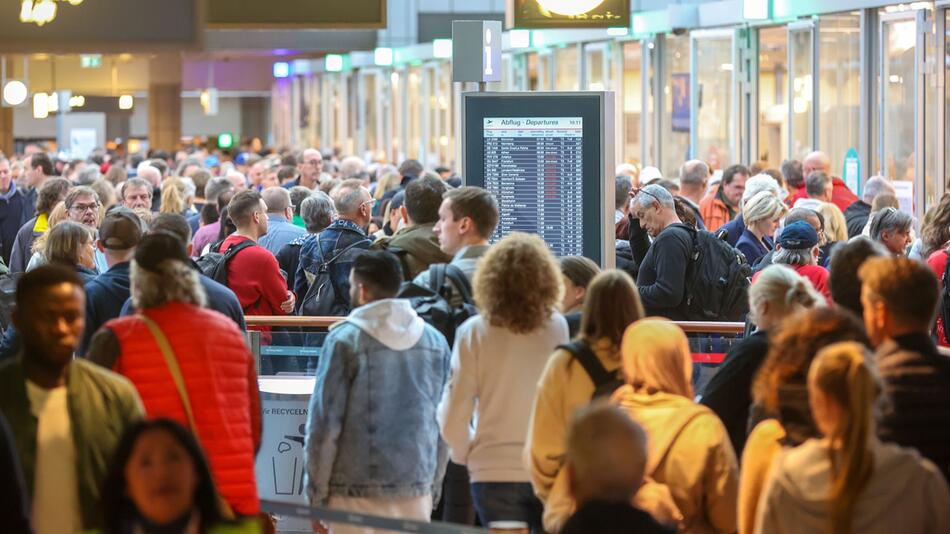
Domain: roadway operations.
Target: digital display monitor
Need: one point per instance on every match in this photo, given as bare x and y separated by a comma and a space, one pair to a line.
544, 156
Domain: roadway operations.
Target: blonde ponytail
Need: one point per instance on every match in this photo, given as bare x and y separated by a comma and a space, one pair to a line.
173, 196
842, 373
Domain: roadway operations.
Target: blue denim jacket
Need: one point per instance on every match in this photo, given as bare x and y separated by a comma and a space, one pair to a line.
336, 237
372, 429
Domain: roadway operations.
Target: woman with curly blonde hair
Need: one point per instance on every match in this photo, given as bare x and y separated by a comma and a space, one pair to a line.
497, 360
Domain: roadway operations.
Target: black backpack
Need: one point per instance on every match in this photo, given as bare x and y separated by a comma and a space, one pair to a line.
605, 382
324, 298
8, 284
433, 303
717, 280
214, 264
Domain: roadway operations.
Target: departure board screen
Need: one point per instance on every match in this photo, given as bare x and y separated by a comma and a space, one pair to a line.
534, 168
547, 157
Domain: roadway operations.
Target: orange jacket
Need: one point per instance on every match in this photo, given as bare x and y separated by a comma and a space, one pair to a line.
221, 381
714, 211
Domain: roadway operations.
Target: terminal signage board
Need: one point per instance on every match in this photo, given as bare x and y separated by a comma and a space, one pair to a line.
296, 14
536, 14
547, 159
130, 26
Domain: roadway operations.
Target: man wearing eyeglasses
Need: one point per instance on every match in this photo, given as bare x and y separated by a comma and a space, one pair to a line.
661, 278
82, 206
310, 166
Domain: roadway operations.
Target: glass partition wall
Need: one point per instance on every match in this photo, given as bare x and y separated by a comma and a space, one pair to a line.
773, 96
712, 96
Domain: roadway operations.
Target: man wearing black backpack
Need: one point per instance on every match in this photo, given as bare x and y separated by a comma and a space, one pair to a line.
661, 278
253, 273
322, 280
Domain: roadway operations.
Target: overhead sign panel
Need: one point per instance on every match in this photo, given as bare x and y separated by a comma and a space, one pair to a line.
569, 13
296, 14
131, 26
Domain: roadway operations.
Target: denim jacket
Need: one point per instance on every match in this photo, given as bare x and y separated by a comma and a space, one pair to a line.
336, 237
372, 429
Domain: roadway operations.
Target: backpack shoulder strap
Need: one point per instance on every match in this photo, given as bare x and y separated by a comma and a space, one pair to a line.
342, 252
460, 281
654, 463
436, 277
581, 352
234, 249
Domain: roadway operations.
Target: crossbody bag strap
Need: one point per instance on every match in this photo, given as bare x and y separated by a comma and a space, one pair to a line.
172, 362
173, 368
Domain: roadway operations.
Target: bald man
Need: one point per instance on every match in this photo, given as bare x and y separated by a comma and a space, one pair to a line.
280, 213
310, 170
606, 461
819, 161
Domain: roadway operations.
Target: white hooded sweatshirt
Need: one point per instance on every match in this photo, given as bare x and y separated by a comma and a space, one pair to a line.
905, 494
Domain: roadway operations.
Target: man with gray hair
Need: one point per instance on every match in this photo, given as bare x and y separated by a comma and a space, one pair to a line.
317, 213
661, 278
280, 213
694, 177
327, 258
857, 213
819, 187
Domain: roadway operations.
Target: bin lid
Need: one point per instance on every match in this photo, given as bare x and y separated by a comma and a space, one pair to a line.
287, 385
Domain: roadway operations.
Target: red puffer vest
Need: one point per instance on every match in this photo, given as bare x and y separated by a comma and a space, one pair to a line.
221, 382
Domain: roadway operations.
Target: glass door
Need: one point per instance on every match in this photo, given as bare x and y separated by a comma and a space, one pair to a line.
713, 97
545, 71
597, 67
631, 101
801, 89
773, 96
907, 156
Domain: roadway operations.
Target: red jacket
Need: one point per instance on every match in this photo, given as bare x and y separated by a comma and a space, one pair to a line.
938, 264
221, 381
254, 276
841, 196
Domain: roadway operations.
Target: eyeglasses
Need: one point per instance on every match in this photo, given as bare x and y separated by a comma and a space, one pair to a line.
80, 208
371, 203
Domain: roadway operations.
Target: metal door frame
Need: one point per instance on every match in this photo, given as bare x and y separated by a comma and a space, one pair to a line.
605, 48
920, 94
695, 36
802, 26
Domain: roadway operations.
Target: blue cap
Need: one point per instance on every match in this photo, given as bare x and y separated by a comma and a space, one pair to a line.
798, 235
211, 161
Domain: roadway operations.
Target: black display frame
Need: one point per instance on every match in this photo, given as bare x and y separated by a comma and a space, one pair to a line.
592, 108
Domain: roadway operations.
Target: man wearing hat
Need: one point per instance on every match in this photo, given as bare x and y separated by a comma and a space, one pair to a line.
119, 233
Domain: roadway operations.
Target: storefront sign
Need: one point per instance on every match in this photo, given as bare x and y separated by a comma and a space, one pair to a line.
296, 14
681, 102
569, 14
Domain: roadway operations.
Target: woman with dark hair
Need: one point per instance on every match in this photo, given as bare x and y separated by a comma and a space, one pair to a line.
51, 193
576, 274
160, 481
611, 305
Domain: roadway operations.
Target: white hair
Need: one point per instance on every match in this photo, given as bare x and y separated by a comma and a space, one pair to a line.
759, 183
875, 186
764, 205
151, 174
654, 193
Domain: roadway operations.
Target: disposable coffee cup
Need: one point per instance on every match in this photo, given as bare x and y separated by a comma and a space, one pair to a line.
509, 527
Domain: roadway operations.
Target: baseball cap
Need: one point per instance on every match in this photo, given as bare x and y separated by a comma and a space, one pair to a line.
121, 229
157, 247
798, 235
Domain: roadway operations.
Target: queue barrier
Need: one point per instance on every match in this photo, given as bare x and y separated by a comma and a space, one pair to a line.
708, 341
329, 515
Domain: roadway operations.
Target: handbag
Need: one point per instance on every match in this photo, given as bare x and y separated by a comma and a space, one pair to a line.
172, 362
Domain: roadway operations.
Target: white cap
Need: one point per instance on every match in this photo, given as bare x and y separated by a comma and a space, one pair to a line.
648, 174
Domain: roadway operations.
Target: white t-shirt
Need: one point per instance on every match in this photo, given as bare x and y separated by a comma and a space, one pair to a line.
55, 489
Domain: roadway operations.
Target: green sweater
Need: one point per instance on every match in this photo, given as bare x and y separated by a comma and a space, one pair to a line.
102, 405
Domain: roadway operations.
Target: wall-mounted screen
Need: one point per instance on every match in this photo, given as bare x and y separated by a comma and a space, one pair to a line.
530, 14
544, 157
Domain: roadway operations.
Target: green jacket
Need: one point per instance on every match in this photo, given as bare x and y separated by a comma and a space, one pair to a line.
102, 405
417, 248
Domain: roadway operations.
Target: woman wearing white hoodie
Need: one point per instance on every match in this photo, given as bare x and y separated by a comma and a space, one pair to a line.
497, 361
848, 481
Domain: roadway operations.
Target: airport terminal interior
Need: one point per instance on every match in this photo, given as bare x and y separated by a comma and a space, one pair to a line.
462, 266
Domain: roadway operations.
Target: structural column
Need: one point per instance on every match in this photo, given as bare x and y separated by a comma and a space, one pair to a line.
6, 131
164, 101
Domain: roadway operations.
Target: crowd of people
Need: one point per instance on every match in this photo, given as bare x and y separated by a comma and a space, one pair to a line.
471, 378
